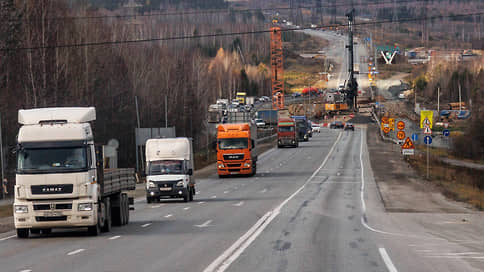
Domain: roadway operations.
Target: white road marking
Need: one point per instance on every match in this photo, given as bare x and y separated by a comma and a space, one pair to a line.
387, 260
226, 192
186, 208
235, 188
115, 237
198, 192
204, 225
201, 202
26, 270
214, 196
146, 225
239, 204
6, 238
156, 206
76, 251
222, 262
263, 191
168, 215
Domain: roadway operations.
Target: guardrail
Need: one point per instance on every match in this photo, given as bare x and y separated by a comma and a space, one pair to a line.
266, 139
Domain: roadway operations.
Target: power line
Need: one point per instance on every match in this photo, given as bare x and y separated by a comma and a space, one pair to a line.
213, 11
187, 37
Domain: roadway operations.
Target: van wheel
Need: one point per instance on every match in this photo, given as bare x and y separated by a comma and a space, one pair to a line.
46, 231
23, 233
149, 200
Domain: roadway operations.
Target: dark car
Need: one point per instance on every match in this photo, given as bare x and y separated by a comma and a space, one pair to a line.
336, 124
349, 126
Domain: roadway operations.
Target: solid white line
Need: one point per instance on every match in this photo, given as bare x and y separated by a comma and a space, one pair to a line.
214, 196
387, 260
156, 206
186, 208
222, 262
75, 251
168, 215
263, 191
204, 225
26, 270
362, 190
226, 192
239, 204
145, 225
114, 237
6, 238
201, 202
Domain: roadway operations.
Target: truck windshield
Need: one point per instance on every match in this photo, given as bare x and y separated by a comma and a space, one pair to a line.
301, 124
166, 167
286, 129
42, 160
233, 143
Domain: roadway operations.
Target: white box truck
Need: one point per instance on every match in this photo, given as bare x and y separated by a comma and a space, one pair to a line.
169, 169
60, 180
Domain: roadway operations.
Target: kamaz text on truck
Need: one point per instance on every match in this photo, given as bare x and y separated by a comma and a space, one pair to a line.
301, 127
169, 169
286, 133
60, 180
236, 151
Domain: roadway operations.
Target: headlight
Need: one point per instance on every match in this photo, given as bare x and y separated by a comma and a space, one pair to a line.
247, 164
21, 209
151, 184
220, 165
179, 183
84, 207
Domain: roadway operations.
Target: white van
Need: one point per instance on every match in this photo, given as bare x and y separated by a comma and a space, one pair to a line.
169, 169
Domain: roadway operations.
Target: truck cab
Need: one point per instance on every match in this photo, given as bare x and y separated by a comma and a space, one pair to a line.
286, 133
236, 150
301, 127
169, 169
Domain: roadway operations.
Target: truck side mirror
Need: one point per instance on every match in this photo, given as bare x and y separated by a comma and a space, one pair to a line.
190, 172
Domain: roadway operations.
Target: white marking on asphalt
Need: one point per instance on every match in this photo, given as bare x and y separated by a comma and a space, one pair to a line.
214, 196
186, 208
168, 215
198, 192
387, 260
115, 237
222, 262
226, 192
76, 251
239, 204
146, 225
263, 191
201, 202
26, 270
235, 188
6, 238
204, 225
156, 206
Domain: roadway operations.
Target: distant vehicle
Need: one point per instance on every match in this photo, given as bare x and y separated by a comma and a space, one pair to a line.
235, 102
316, 127
302, 127
296, 95
240, 96
336, 124
250, 100
310, 130
401, 95
286, 133
313, 26
269, 116
169, 169
349, 126
265, 98
260, 123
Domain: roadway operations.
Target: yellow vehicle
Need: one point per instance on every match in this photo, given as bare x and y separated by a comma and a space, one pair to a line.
241, 97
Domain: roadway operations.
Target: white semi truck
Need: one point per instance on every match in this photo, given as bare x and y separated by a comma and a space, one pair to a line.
169, 169
60, 180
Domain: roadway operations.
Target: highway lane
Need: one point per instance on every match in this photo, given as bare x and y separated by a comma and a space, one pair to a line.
177, 236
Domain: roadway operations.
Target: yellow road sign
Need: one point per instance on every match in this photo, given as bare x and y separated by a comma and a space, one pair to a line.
384, 120
408, 144
391, 121
426, 118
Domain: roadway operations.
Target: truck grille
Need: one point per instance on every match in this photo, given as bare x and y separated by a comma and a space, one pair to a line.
50, 218
52, 189
233, 157
44, 207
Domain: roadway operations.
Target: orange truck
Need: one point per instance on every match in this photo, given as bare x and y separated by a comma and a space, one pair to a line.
236, 151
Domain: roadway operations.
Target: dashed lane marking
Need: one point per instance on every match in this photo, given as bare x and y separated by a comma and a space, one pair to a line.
205, 224
77, 251
115, 237
6, 238
214, 196
186, 208
168, 215
201, 202
226, 192
146, 225
239, 204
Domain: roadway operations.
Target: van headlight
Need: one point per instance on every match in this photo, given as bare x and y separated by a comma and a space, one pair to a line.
21, 209
83, 207
151, 184
179, 183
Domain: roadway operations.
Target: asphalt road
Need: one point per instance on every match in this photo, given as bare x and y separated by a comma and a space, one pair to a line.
310, 208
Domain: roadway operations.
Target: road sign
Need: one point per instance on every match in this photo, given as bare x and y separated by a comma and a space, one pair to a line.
408, 144
446, 125
428, 140
386, 129
384, 120
414, 137
426, 118
391, 122
401, 125
401, 135
446, 132
427, 131
386, 125
408, 152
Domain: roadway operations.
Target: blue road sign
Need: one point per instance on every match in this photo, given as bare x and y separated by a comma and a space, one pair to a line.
414, 137
446, 132
428, 140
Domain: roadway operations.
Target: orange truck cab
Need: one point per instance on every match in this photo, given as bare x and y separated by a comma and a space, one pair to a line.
286, 133
236, 152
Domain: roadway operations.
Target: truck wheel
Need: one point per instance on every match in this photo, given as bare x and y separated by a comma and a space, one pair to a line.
190, 196
108, 222
186, 196
35, 231
127, 209
94, 230
23, 233
149, 200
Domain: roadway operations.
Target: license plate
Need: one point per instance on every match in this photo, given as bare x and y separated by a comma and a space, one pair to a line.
234, 173
165, 189
52, 214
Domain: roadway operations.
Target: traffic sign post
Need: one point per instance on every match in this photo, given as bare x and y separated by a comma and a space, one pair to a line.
414, 137
426, 118
401, 135
446, 132
391, 122
427, 130
401, 125
428, 141
408, 148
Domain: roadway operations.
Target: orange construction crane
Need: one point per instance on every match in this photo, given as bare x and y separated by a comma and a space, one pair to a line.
277, 69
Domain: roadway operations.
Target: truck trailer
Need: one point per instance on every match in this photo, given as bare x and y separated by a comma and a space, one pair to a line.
236, 150
61, 181
169, 169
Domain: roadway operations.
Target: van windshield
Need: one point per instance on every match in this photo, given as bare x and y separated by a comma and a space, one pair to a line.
43, 160
166, 167
233, 143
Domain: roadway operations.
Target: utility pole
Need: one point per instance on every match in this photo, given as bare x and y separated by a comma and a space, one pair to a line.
352, 86
1, 158
438, 101
166, 111
460, 98
138, 124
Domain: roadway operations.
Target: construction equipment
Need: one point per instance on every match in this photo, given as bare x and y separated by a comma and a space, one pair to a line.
277, 76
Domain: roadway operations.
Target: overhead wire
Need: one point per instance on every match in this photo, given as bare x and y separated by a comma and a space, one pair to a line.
187, 37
